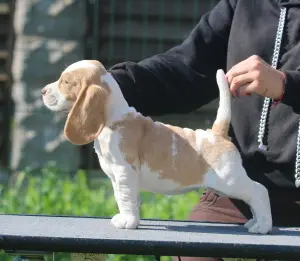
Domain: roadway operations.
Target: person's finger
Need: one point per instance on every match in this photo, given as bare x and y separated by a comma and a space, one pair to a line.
249, 88
240, 81
242, 91
252, 63
238, 69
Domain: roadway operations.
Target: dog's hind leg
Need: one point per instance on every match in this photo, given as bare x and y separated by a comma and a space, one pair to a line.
252, 221
260, 204
231, 179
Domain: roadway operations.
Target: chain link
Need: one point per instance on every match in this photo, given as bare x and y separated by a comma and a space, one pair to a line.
297, 165
266, 104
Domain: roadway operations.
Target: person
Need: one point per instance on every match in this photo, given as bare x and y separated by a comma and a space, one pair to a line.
257, 44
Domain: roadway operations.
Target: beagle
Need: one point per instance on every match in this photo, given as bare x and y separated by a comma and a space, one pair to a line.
137, 153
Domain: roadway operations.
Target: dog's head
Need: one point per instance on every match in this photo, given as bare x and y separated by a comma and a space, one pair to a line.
82, 92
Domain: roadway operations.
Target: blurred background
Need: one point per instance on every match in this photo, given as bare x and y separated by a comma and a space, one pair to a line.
39, 38
40, 172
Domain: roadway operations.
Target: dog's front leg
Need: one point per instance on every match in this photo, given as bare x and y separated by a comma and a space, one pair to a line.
126, 186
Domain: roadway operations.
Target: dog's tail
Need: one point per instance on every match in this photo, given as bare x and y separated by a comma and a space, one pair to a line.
222, 122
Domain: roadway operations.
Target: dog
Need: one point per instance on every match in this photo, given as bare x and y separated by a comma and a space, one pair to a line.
138, 153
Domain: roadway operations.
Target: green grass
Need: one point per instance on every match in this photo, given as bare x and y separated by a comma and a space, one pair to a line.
53, 193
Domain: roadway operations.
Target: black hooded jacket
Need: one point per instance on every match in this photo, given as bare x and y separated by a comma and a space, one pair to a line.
183, 79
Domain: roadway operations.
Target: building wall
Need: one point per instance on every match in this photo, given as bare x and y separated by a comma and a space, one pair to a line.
48, 36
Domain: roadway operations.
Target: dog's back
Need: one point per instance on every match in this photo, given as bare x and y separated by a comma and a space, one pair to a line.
171, 158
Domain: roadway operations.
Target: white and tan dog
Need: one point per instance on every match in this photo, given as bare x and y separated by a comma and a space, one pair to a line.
137, 153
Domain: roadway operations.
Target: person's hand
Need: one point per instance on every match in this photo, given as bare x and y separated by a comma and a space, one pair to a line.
254, 75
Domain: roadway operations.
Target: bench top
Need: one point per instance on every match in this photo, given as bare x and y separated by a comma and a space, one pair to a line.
153, 237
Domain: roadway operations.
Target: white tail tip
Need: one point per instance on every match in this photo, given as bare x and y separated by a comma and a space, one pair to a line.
221, 78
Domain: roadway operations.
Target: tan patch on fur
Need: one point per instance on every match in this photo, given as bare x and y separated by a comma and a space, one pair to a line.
70, 82
212, 152
88, 115
221, 129
131, 128
147, 142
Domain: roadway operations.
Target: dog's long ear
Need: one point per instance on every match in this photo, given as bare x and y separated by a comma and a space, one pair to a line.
87, 117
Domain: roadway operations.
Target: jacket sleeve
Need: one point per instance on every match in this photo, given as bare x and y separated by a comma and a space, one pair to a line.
183, 78
292, 89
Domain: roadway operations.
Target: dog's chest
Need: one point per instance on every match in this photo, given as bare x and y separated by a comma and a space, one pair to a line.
101, 146
107, 148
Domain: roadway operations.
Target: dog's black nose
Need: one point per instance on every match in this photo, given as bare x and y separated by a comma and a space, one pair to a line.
44, 90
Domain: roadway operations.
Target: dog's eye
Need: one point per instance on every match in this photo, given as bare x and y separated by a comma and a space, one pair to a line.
65, 82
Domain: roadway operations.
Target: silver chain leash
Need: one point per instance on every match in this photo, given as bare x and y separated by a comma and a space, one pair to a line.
297, 165
267, 101
266, 105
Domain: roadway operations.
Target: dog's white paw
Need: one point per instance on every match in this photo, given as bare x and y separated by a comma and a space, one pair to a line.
259, 227
125, 221
250, 223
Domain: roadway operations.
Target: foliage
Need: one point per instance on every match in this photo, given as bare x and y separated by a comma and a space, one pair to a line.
53, 193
